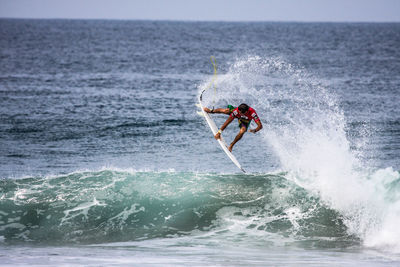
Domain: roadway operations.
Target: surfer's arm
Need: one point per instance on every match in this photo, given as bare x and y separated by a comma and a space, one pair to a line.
259, 127
226, 123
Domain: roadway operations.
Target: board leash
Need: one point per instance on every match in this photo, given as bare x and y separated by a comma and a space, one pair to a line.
214, 79
212, 83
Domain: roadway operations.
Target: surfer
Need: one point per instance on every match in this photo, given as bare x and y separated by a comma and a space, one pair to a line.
244, 114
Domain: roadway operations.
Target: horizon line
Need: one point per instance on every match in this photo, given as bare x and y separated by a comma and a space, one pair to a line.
205, 20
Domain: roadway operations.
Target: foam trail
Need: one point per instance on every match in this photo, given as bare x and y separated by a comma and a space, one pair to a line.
306, 129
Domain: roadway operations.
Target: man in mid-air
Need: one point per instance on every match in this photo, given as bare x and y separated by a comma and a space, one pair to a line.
244, 114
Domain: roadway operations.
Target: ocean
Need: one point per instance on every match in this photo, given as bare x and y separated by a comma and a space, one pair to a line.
104, 160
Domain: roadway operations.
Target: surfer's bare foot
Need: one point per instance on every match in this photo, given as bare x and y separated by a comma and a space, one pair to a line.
207, 110
230, 148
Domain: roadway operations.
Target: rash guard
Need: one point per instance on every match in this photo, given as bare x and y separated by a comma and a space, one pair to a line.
246, 117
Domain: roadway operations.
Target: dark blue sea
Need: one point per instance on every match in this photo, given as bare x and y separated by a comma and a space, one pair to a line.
104, 160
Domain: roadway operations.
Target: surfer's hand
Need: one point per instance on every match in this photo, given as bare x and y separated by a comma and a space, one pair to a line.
217, 136
207, 110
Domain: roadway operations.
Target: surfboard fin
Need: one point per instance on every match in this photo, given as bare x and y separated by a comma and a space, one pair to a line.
200, 113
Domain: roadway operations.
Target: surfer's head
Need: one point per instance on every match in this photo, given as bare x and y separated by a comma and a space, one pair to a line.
243, 108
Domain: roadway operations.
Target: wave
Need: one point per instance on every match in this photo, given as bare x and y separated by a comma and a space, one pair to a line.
116, 206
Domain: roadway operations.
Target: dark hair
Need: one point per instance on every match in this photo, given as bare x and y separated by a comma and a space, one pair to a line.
243, 108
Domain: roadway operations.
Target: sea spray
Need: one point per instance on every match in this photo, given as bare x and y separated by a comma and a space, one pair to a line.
307, 130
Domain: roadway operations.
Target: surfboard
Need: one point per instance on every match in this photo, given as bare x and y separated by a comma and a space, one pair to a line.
214, 130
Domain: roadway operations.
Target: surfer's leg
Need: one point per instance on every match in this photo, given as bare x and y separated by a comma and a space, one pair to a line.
238, 137
217, 110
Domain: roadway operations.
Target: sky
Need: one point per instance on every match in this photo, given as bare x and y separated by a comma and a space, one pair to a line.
207, 10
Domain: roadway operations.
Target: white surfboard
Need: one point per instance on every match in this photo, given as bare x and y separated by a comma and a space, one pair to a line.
221, 141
